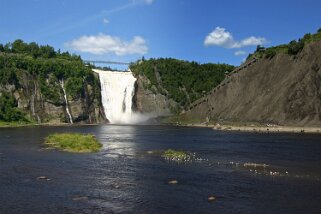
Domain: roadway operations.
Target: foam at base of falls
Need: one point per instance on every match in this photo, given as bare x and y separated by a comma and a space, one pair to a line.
117, 91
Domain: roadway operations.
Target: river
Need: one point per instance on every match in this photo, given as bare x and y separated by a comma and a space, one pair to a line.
130, 176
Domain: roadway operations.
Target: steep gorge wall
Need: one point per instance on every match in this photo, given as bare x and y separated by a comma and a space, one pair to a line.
283, 90
150, 101
31, 101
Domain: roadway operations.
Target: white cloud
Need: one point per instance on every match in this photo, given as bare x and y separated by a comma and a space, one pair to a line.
221, 37
106, 44
135, 2
239, 53
250, 41
149, 1
106, 21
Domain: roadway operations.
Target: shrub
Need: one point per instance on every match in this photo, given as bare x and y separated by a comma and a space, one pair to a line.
295, 47
8, 109
270, 53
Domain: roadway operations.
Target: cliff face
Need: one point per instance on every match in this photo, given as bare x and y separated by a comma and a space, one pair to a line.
282, 90
31, 101
150, 100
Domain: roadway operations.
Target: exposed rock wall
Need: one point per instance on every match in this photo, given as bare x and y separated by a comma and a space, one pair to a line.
283, 90
150, 100
85, 109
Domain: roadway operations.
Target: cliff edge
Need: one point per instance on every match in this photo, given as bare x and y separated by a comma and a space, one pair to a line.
283, 89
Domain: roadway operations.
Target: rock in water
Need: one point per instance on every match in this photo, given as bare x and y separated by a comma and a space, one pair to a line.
173, 182
80, 198
211, 199
43, 178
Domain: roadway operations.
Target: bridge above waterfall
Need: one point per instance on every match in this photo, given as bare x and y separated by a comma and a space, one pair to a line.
106, 62
109, 65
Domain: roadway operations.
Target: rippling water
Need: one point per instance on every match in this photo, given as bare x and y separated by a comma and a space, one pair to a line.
246, 172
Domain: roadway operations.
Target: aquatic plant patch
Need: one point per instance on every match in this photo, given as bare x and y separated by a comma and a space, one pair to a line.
177, 156
73, 142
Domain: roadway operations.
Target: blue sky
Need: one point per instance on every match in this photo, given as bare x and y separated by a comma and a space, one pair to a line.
125, 30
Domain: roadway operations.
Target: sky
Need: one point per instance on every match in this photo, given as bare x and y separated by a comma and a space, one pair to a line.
125, 30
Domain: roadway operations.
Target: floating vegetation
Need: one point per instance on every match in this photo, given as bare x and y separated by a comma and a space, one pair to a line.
73, 142
177, 156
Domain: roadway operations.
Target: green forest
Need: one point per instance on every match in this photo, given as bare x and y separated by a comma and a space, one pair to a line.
182, 81
292, 48
47, 67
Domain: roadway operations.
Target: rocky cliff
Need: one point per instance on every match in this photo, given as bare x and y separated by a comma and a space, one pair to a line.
41, 85
37, 107
150, 101
283, 89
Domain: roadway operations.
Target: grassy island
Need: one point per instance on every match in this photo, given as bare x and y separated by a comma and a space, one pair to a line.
173, 155
73, 142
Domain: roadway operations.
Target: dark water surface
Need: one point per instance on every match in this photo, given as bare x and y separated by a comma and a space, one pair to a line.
129, 175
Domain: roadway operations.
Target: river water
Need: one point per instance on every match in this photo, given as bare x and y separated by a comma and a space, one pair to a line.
130, 176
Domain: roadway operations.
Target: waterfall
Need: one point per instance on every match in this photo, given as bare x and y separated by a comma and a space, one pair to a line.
117, 91
66, 101
32, 103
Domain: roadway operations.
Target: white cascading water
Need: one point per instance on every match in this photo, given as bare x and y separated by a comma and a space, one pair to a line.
32, 103
67, 106
117, 91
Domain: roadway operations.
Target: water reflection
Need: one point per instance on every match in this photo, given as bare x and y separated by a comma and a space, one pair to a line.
241, 170
117, 140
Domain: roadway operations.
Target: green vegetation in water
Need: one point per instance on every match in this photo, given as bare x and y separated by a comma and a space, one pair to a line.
73, 142
174, 155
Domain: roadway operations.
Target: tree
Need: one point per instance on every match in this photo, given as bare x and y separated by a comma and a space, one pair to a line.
307, 37
47, 51
8, 109
7, 48
34, 49
18, 46
295, 47
270, 53
259, 48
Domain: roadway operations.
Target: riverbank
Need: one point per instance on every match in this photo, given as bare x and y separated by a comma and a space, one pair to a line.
288, 129
21, 124
258, 128
15, 124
